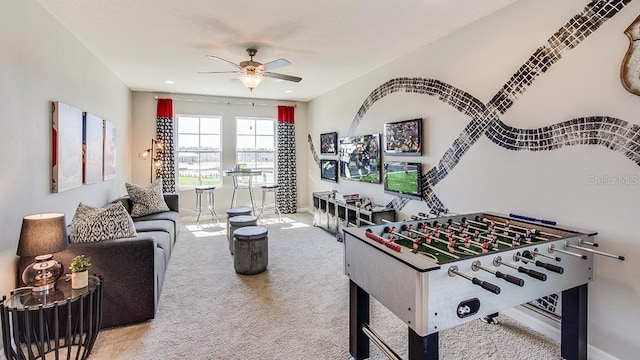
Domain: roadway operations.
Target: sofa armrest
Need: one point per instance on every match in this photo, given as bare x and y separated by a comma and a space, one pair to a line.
128, 270
173, 201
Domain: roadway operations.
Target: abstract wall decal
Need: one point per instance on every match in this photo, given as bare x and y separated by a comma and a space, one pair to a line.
109, 171
485, 118
92, 148
630, 68
316, 159
66, 147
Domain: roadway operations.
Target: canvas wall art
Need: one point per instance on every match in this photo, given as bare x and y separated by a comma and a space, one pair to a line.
109, 171
92, 148
66, 147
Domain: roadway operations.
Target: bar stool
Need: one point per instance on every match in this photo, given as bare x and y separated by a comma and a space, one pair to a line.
270, 188
208, 189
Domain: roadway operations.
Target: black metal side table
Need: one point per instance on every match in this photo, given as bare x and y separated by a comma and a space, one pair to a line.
63, 322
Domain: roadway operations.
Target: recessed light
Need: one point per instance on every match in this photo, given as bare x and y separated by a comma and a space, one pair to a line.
170, 82
289, 91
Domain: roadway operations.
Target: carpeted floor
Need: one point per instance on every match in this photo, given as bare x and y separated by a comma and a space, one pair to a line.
297, 309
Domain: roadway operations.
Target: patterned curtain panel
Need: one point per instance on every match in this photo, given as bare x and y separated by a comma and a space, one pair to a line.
286, 161
164, 134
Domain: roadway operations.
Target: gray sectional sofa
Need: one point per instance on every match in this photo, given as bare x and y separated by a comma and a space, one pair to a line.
132, 269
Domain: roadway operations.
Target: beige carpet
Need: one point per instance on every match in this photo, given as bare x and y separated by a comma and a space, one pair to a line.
297, 309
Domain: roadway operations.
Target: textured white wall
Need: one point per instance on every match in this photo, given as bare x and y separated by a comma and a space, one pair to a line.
41, 62
144, 120
559, 185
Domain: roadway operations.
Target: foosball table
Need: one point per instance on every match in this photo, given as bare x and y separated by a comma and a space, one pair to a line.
436, 273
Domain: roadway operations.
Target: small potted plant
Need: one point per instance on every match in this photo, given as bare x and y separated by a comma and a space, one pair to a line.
80, 271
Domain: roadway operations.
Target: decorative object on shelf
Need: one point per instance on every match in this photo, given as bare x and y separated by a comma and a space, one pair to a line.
152, 153
630, 69
80, 271
329, 143
66, 147
403, 138
40, 236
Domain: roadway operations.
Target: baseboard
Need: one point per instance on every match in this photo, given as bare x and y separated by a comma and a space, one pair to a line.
593, 353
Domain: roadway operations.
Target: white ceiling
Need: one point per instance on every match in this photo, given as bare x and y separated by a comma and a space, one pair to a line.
329, 42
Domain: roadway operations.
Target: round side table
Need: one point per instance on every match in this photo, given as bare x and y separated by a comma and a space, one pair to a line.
63, 322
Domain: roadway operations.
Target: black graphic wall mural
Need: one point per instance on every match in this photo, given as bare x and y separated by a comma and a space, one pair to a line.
614, 134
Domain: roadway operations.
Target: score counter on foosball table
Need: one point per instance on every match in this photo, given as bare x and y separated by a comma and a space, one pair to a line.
437, 273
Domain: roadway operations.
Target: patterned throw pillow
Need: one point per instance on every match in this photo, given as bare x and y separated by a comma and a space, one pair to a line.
96, 224
146, 200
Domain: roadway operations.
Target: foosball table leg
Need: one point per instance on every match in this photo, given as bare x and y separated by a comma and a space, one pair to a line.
573, 343
423, 347
358, 314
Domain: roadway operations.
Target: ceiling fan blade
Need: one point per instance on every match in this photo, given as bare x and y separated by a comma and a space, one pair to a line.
219, 72
282, 77
275, 64
224, 61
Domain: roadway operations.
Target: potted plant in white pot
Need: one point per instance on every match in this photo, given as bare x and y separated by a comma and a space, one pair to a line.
80, 271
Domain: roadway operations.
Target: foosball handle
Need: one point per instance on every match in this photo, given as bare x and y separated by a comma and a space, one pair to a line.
486, 285
534, 274
510, 278
550, 267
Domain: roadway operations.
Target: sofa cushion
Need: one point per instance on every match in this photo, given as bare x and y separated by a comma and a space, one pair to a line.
96, 224
146, 200
156, 225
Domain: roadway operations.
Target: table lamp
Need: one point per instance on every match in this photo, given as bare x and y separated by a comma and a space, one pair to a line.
40, 236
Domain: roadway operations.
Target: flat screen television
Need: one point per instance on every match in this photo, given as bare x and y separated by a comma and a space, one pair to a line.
403, 138
360, 158
329, 170
403, 179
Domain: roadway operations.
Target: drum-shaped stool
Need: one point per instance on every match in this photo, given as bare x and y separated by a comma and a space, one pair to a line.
251, 250
208, 190
237, 222
239, 211
266, 189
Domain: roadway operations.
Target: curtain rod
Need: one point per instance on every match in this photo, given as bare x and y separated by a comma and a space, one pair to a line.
215, 101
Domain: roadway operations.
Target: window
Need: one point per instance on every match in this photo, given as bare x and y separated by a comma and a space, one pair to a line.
255, 146
199, 151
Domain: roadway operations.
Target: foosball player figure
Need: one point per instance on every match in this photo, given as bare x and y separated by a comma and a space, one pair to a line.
485, 247
416, 243
517, 239
529, 236
467, 241
494, 241
427, 239
451, 245
476, 235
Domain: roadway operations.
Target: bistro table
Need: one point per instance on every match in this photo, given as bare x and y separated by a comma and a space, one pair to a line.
236, 174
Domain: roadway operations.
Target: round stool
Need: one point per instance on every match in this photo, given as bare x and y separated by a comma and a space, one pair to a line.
239, 211
205, 189
251, 250
267, 188
237, 222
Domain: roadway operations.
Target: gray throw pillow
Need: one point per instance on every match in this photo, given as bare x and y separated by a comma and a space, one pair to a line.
96, 224
146, 200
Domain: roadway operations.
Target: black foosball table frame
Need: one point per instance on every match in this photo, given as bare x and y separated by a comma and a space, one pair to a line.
431, 295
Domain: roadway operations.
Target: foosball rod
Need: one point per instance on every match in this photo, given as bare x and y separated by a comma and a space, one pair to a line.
537, 252
388, 230
512, 228
518, 227
404, 228
476, 265
619, 257
553, 248
526, 257
453, 271
450, 221
436, 238
482, 236
497, 261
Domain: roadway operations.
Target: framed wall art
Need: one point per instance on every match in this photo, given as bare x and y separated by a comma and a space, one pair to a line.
329, 143
329, 170
403, 138
66, 147
109, 160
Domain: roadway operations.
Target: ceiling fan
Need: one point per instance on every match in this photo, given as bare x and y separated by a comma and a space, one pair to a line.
252, 72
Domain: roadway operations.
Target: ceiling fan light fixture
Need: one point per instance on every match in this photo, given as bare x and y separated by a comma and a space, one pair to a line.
251, 81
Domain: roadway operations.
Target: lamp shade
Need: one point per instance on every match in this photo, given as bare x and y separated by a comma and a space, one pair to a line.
42, 234
251, 81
